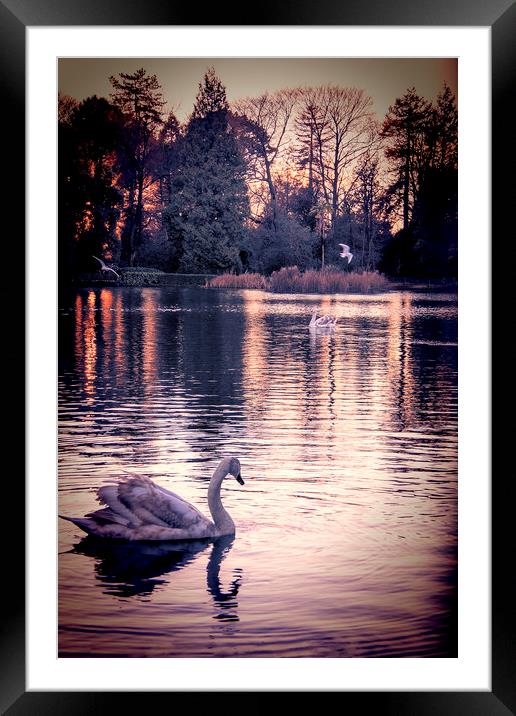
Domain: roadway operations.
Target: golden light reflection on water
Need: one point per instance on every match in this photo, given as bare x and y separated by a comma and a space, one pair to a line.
346, 527
86, 343
334, 386
254, 354
149, 339
398, 356
106, 300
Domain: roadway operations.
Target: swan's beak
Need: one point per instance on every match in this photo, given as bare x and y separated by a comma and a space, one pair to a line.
239, 479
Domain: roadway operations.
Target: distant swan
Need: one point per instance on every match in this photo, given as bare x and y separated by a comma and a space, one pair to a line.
323, 323
138, 509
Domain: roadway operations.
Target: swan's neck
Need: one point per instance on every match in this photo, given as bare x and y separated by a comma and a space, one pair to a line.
221, 518
314, 319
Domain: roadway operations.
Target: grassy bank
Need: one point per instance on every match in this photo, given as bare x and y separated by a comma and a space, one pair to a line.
286, 280
292, 280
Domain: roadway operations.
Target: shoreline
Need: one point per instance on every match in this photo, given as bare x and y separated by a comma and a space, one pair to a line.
201, 280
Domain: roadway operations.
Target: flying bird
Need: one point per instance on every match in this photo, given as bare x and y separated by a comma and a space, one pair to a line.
104, 267
346, 253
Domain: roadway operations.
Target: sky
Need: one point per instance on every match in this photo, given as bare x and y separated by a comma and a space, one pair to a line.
383, 79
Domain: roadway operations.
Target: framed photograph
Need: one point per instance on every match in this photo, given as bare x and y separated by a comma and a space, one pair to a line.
275, 310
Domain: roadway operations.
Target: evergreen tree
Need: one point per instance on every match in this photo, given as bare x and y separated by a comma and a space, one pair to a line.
446, 119
139, 98
435, 214
168, 140
211, 97
209, 203
405, 128
423, 149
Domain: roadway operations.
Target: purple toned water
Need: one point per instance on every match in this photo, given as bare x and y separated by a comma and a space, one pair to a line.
346, 526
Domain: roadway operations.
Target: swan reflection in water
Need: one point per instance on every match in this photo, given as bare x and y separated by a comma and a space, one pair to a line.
130, 569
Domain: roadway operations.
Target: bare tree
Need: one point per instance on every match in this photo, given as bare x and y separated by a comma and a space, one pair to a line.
336, 127
263, 125
66, 106
366, 199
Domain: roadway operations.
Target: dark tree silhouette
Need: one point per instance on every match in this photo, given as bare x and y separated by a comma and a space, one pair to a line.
168, 142
139, 98
404, 128
423, 150
211, 96
436, 208
281, 179
89, 201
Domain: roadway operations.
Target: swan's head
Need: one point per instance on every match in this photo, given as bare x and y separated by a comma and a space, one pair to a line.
234, 469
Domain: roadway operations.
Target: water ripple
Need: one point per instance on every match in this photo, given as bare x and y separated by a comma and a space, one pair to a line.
346, 527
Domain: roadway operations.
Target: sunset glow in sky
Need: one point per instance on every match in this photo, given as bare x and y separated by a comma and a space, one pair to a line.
383, 79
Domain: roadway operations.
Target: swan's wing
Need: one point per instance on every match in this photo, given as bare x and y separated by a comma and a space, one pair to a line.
345, 247
326, 322
108, 516
178, 497
137, 499
113, 271
108, 495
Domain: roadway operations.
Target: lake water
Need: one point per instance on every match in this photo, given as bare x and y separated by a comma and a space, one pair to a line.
346, 541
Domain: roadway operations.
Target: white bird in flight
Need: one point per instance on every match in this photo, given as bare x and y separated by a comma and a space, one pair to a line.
103, 266
346, 253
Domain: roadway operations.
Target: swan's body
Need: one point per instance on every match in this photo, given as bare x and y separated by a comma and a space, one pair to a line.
138, 509
105, 267
346, 253
323, 323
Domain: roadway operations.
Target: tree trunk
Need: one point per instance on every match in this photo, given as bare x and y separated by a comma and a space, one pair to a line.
272, 193
406, 182
311, 161
335, 184
138, 217
128, 231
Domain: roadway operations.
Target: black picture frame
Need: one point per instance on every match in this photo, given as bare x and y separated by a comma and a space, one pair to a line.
500, 15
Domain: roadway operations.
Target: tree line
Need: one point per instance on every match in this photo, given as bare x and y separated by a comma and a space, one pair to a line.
275, 180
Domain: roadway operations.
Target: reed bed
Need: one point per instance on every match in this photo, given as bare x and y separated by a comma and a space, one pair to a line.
243, 280
292, 280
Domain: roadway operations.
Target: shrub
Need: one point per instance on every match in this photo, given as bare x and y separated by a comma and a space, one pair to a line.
269, 249
157, 251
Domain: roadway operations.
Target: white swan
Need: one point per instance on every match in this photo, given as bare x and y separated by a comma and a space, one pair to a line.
323, 323
138, 509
